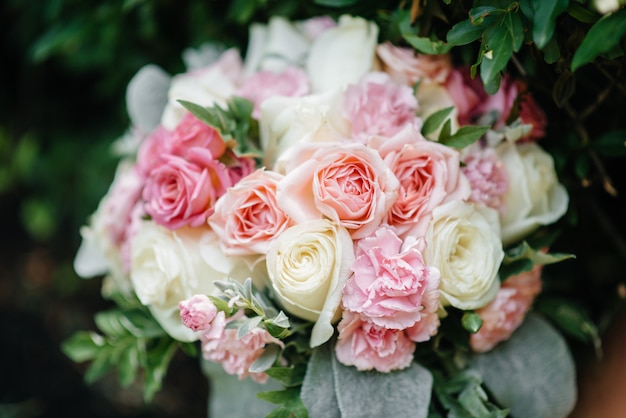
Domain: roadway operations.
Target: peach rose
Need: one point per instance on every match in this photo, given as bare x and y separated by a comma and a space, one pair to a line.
349, 184
191, 133
247, 217
407, 67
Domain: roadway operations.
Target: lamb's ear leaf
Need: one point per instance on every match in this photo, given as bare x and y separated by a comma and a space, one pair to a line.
533, 373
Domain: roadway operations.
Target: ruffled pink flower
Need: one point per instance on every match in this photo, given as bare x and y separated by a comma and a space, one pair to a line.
429, 175
369, 347
379, 106
247, 217
221, 345
488, 178
157, 144
193, 133
260, 86
197, 312
405, 66
391, 286
349, 184
506, 312
181, 192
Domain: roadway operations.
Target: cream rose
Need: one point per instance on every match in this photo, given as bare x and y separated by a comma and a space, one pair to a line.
308, 265
286, 121
170, 266
534, 197
464, 244
343, 54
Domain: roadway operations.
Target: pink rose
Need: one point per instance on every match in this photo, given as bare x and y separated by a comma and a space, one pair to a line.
466, 93
238, 166
197, 312
247, 217
236, 355
292, 82
429, 175
379, 106
181, 192
391, 286
531, 113
349, 184
370, 347
192, 133
405, 66
157, 144
506, 312
488, 178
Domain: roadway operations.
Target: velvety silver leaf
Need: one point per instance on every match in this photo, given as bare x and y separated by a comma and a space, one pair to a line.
402, 393
318, 388
532, 373
146, 97
231, 397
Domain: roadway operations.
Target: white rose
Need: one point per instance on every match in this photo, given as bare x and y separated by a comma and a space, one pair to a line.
308, 265
535, 197
212, 85
286, 121
343, 54
464, 244
275, 46
170, 266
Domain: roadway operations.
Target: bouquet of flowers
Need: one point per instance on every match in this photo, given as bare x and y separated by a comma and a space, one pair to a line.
347, 227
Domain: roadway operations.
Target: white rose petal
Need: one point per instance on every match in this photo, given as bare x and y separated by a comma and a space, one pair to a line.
535, 197
343, 54
464, 243
167, 267
308, 265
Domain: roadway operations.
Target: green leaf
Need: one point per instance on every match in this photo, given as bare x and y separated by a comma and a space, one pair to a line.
101, 364
109, 322
582, 14
427, 45
464, 33
281, 320
83, 346
472, 322
128, 364
159, 360
434, 121
466, 135
572, 319
499, 45
318, 388
525, 251
603, 36
544, 18
241, 11
335, 3
533, 373
288, 376
289, 399
513, 268
581, 166
248, 325
266, 359
611, 144
551, 52
478, 14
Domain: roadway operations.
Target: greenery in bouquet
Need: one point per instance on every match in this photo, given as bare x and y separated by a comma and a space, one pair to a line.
356, 204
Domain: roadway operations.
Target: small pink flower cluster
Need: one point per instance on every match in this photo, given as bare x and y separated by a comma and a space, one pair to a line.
220, 344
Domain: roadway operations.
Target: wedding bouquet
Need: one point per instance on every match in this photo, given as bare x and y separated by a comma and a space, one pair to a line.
358, 225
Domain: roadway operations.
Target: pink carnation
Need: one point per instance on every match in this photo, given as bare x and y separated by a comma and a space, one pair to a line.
197, 312
429, 175
260, 86
488, 178
193, 133
506, 312
370, 347
247, 217
379, 106
236, 355
405, 66
181, 192
391, 286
